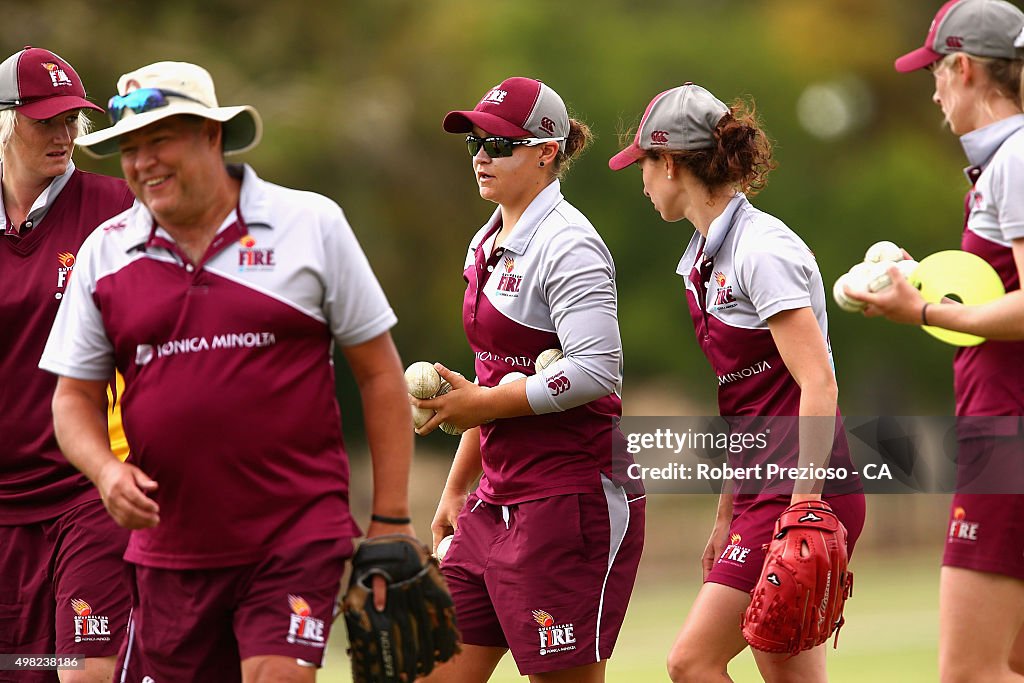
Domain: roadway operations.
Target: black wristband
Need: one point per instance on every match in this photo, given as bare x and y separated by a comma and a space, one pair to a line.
924, 314
390, 520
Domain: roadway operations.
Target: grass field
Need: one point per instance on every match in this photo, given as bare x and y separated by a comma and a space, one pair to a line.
890, 635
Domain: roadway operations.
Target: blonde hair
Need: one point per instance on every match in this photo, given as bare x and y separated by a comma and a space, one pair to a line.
9, 119
1005, 75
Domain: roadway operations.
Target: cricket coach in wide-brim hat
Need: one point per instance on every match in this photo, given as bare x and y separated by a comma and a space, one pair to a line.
165, 89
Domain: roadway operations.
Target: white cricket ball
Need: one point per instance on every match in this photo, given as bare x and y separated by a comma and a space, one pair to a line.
883, 251
846, 303
449, 428
546, 358
422, 380
907, 267
442, 547
511, 377
421, 416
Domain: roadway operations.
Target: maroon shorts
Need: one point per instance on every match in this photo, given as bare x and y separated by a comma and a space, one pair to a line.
549, 579
986, 533
198, 625
62, 587
739, 565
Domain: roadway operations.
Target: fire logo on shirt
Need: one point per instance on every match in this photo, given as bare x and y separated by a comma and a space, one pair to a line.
250, 258
553, 637
960, 529
89, 627
723, 297
65, 262
303, 628
509, 283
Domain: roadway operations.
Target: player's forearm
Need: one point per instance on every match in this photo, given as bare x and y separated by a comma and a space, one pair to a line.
818, 399
389, 434
80, 423
467, 465
1002, 319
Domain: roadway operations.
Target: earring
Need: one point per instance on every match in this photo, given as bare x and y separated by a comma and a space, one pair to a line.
541, 164
669, 176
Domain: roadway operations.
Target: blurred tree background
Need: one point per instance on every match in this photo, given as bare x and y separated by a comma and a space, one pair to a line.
352, 95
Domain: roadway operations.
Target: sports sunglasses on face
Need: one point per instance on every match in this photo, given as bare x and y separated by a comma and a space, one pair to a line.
140, 101
502, 147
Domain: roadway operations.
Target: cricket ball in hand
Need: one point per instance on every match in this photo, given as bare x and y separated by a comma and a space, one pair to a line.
442, 547
422, 380
511, 377
846, 303
546, 358
421, 416
883, 251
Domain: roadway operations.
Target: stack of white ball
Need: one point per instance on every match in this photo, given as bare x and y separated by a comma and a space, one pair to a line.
423, 382
872, 274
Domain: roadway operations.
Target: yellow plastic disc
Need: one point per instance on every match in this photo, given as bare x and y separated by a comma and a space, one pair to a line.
961, 276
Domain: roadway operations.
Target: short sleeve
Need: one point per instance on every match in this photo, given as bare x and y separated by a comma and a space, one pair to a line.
1008, 198
78, 345
776, 275
354, 302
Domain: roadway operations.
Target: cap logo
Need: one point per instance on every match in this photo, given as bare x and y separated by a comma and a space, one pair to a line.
659, 137
495, 96
547, 125
57, 75
954, 42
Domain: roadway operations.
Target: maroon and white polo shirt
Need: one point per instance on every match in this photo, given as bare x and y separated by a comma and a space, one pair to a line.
229, 402
989, 378
551, 285
750, 267
36, 480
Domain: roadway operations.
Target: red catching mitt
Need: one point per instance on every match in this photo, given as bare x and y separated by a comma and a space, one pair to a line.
798, 601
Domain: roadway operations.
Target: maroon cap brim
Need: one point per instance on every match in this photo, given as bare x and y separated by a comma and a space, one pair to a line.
51, 106
626, 157
463, 122
918, 59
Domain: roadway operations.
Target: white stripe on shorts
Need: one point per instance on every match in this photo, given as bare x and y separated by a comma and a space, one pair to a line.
618, 524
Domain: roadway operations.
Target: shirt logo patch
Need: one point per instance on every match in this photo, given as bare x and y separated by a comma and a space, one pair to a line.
89, 627
559, 384
723, 296
509, 283
252, 258
303, 628
57, 76
65, 262
554, 638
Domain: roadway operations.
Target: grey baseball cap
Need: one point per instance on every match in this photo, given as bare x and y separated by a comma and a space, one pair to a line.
985, 28
680, 119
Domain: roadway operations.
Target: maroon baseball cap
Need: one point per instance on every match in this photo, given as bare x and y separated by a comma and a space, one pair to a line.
516, 107
40, 85
984, 28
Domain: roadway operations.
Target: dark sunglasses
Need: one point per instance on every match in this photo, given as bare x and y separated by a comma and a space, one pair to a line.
502, 147
140, 101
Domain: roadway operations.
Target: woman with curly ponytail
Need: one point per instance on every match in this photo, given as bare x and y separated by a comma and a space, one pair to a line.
758, 305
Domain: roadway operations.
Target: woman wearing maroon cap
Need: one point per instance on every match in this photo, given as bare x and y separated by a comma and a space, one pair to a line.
546, 548
60, 553
975, 51
757, 302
